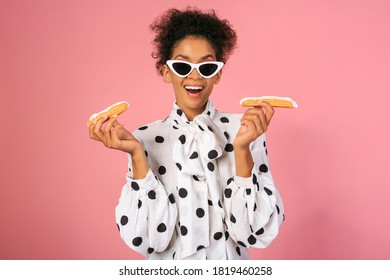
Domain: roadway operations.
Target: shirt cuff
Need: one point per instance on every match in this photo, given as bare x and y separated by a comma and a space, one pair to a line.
246, 182
145, 183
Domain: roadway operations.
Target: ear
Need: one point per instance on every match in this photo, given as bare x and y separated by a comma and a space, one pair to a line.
166, 74
218, 77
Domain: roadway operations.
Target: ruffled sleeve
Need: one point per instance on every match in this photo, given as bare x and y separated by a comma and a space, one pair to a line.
146, 214
253, 206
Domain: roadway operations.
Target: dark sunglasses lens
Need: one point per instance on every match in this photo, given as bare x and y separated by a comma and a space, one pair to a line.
181, 68
208, 69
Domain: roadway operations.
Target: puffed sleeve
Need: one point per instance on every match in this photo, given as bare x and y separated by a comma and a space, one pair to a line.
254, 208
146, 214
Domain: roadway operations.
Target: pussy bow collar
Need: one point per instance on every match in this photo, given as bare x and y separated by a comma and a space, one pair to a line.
195, 152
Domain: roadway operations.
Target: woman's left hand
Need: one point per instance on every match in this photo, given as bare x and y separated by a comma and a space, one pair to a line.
253, 124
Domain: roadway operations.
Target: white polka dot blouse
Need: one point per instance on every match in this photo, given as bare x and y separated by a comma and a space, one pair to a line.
191, 205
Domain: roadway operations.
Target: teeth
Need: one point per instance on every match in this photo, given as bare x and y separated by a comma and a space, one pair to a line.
193, 88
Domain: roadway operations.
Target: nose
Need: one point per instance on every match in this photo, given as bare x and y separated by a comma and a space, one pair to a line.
194, 75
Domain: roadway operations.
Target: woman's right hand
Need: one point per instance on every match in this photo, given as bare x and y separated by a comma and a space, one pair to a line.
113, 135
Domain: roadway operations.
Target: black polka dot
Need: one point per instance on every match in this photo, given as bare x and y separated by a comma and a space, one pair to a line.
229, 147
159, 139
194, 155
254, 179
248, 191
183, 192
139, 204
210, 202
200, 213
161, 227
232, 219
268, 191
195, 178
135, 186
162, 170
230, 180
150, 250
260, 231
220, 204
218, 235
228, 192
208, 113
227, 235
178, 166
277, 209
171, 198
224, 120
200, 248
201, 128
152, 194
252, 240
238, 251
173, 256
213, 154
124, 220
254, 207
183, 230
264, 144
241, 243
143, 127
284, 217
210, 166
182, 139
179, 112
118, 227
137, 241
210, 128
146, 153
174, 127
263, 168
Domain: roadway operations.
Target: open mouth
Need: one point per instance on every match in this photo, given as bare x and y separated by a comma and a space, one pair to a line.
193, 89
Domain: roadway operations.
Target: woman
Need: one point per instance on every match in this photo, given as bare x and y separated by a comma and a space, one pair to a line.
198, 185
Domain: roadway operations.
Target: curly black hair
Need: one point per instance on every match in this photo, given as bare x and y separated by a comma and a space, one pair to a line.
174, 25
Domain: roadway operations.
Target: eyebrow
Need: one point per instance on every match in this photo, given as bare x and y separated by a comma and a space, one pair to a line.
187, 57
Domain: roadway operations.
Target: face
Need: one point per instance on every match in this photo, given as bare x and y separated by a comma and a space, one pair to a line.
193, 91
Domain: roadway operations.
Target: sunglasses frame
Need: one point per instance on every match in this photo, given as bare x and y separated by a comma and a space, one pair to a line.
195, 66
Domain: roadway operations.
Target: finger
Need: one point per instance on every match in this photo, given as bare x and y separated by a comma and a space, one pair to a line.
263, 121
256, 121
115, 141
269, 111
92, 135
97, 130
260, 119
116, 123
107, 130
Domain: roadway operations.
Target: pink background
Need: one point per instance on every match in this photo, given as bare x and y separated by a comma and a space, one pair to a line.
60, 61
